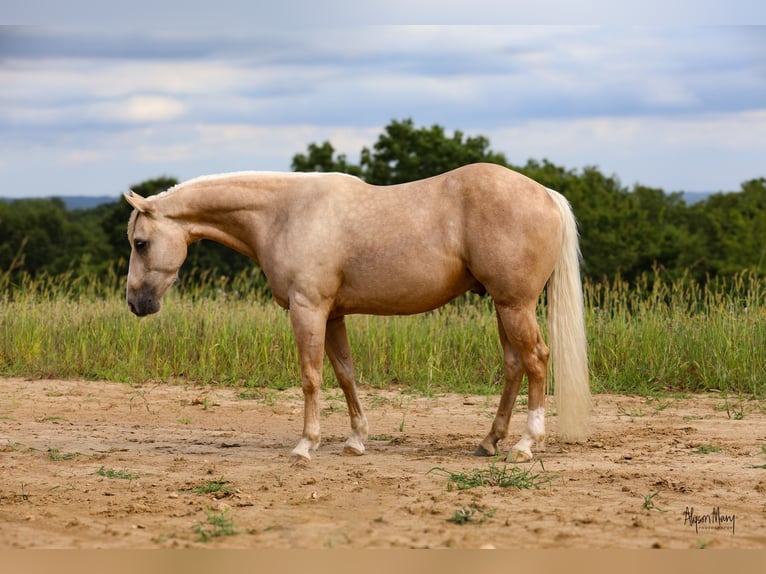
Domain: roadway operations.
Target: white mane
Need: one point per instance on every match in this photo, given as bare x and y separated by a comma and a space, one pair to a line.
216, 176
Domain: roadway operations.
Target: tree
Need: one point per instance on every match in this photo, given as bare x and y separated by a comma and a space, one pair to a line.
732, 227
38, 235
405, 153
663, 232
322, 158
402, 153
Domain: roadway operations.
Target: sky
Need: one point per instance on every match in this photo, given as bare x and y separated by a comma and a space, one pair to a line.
94, 100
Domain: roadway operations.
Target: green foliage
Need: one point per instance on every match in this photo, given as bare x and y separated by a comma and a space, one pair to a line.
649, 502
662, 335
216, 525
496, 475
707, 449
322, 158
118, 474
732, 227
473, 514
219, 488
402, 153
405, 153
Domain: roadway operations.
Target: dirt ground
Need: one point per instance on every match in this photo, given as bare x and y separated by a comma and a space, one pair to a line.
103, 465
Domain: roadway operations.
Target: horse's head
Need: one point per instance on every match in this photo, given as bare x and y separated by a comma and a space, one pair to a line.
158, 248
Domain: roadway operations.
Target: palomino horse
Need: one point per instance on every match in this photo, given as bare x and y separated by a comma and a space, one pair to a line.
332, 245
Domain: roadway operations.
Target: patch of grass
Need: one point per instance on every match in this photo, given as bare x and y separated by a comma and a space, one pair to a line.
704, 334
23, 495
707, 449
119, 474
733, 411
759, 466
56, 454
67, 488
472, 514
183, 420
649, 502
11, 446
215, 526
162, 539
495, 475
51, 419
333, 407
377, 401
267, 397
658, 404
383, 437
220, 488
331, 541
632, 413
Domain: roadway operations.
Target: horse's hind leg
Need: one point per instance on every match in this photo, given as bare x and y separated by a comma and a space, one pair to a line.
513, 373
339, 353
522, 331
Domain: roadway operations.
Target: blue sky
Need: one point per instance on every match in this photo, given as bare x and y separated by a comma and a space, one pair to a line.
92, 102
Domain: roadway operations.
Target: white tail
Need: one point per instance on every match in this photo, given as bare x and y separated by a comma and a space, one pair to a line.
566, 324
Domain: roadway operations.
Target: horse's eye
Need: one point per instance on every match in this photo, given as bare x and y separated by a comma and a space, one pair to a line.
140, 244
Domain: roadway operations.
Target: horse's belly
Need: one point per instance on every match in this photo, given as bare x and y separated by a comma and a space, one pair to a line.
402, 292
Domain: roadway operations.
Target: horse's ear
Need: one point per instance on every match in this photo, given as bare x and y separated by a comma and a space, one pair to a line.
138, 202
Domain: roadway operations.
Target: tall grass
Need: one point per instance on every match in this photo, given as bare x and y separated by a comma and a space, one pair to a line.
678, 336
654, 337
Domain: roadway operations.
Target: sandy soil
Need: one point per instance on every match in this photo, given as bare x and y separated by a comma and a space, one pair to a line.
101, 465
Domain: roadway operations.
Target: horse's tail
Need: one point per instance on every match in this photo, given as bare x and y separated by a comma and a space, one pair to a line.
566, 324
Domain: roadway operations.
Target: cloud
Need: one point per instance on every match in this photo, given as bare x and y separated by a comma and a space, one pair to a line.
716, 152
633, 100
146, 109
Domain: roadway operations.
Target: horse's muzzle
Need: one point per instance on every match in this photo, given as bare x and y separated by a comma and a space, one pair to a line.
142, 305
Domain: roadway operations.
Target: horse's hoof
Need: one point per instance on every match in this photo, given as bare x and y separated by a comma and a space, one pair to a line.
519, 456
299, 461
349, 450
481, 450
354, 446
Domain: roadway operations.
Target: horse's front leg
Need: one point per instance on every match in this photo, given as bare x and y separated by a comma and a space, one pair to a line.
309, 328
339, 352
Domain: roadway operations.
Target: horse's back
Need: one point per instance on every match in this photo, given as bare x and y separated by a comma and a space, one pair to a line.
411, 247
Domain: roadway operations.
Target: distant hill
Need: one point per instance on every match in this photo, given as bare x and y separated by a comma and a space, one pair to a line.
87, 202
691, 197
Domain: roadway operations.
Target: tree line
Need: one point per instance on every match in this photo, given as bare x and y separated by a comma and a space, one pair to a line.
625, 232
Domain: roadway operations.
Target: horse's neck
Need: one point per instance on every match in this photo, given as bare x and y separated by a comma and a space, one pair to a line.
233, 211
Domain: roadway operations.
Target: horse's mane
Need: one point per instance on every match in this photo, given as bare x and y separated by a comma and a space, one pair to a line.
235, 174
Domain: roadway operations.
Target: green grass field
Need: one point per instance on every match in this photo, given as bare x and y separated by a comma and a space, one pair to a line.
657, 337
